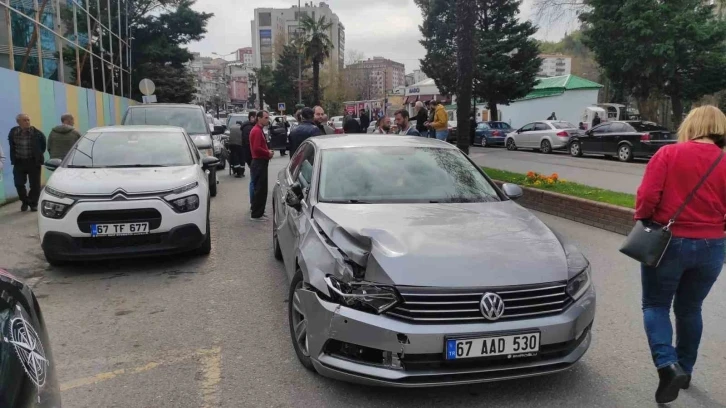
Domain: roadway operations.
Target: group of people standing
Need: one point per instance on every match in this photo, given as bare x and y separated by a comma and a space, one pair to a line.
27, 154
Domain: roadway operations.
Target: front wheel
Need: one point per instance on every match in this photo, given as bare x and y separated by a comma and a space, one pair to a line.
484, 142
206, 246
277, 251
53, 261
213, 183
511, 145
575, 149
299, 322
545, 147
625, 153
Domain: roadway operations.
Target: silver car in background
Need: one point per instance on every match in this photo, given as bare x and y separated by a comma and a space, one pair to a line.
386, 287
545, 136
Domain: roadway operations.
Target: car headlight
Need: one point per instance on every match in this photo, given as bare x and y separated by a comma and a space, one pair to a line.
578, 285
365, 296
185, 204
52, 209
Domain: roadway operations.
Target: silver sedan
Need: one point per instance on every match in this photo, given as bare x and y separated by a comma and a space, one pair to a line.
545, 136
386, 287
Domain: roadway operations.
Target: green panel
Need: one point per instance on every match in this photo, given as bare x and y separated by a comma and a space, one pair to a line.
107, 101
82, 121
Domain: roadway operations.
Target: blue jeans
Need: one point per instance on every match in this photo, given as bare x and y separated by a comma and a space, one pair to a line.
687, 272
442, 134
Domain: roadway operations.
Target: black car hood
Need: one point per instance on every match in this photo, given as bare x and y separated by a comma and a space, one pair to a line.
27, 370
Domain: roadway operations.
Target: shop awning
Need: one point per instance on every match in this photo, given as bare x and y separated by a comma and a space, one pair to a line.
411, 99
424, 98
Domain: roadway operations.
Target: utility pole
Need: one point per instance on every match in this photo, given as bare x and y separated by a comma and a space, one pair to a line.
299, 57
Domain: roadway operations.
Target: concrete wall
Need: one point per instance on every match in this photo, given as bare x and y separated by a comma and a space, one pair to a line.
45, 101
568, 106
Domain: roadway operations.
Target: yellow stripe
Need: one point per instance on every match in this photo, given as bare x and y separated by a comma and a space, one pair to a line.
30, 99
71, 101
117, 109
99, 109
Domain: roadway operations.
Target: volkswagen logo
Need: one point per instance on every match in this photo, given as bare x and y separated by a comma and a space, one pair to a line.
491, 306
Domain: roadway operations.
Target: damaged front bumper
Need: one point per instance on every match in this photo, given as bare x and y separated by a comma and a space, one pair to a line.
355, 346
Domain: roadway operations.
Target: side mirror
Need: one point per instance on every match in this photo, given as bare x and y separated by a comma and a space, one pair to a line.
519, 130
294, 196
53, 164
209, 162
512, 191
218, 130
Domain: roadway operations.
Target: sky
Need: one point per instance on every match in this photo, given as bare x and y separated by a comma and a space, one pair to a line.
385, 28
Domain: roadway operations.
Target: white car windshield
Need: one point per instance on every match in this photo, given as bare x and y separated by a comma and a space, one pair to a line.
192, 120
401, 174
131, 149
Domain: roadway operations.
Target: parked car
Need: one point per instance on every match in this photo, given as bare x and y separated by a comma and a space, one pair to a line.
28, 376
126, 191
491, 133
545, 136
234, 118
378, 295
624, 139
453, 132
190, 117
336, 122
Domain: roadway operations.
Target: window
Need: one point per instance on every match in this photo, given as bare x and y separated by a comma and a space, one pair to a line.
191, 119
541, 126
601, 128
563, 125
401, 174
482, 126
647, 127
527, 128
265, 19
131, 149
620, 128
301, 165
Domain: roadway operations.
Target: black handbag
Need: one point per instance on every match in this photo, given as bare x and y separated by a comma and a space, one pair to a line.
648, 240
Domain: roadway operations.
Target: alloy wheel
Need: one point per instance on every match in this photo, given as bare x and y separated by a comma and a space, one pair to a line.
511, 145
545, 147
300, 322
575, 149
624, 153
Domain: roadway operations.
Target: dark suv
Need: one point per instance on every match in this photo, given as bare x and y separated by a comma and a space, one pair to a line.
190, 117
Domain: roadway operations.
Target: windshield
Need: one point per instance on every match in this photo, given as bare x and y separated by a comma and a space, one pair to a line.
192, 120
401, 174
233, 119
131, 149
563, 125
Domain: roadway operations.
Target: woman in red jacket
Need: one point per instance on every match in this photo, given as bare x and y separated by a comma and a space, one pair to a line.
695, 255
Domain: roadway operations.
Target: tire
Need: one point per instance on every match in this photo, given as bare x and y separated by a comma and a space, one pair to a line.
575, 149
484, 142
511, 146
296, 317
625, 152
213, 182
545, 147
275, 243
206, 246
54, 261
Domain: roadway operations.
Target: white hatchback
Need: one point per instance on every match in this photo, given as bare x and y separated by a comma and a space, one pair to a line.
126, 191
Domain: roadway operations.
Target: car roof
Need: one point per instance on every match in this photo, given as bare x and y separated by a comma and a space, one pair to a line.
375, 140
166, 105
136, 128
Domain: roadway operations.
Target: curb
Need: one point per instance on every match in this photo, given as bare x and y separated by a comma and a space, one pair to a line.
599, 215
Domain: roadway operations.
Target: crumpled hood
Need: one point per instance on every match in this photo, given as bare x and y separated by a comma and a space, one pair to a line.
131, 180
446, 245
63, 129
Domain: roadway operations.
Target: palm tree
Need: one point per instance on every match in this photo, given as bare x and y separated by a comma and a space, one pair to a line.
316, 46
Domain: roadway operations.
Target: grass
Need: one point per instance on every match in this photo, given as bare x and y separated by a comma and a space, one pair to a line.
567, 188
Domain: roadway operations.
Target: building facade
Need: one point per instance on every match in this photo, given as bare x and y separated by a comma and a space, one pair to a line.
555, 65
246, 56
77, 42
375, 77
272, 29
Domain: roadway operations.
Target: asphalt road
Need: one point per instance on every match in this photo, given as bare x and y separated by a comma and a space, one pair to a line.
209, 332
593, 171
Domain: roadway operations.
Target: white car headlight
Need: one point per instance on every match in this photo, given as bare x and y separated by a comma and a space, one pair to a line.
185, 204
54, 210
364, 296
578, 285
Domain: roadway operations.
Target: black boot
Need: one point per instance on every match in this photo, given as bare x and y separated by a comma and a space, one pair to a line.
687, 385
672, 379
24, 206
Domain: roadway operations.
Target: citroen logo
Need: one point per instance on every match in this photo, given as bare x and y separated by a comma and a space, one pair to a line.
491, 306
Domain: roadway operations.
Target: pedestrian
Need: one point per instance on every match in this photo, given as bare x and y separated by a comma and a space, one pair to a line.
595, 120
351, 125
421, 118
383, 126
62, 137
581, 126
694, 257
319, 114
261, 156
365, 120
432, 110
328, 130
441, 121
235, 150
404, 125
246, 128
552, 117
27, 153
472, 127
306, 129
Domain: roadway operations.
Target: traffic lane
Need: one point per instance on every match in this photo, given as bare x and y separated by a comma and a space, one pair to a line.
617, 371
593, 171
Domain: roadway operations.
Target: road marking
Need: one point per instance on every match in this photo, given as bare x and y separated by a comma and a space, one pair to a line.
211, 361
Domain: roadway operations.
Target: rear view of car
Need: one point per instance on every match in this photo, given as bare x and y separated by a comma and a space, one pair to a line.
126, 191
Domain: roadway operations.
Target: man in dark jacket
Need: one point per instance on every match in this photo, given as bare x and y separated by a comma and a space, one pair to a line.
351, 125
235, 150
421, 117
307, 128
596, 120
245, 130
62, 138
365, 120
27, 149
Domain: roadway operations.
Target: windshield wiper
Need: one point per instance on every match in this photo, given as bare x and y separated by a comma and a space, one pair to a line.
134, 165
77, 166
